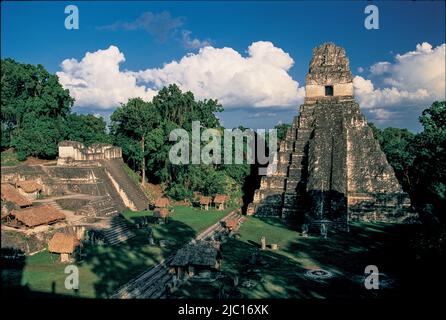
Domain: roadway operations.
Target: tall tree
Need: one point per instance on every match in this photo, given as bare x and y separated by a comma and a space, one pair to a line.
134, 121
428, 168
397, 145
418, 159
31, 93
143, 128
86, 128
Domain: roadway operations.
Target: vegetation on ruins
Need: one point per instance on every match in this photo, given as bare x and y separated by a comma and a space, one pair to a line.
36, 112
106, 268
418, 160
86, 128
36, 115
282, 273
281, 130
142, 130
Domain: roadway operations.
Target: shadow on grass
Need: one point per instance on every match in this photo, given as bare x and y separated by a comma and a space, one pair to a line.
116, 265
272, 275
13, 262
387, 246
282, 273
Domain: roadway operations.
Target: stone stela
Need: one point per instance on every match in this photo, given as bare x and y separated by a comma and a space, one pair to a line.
330, 168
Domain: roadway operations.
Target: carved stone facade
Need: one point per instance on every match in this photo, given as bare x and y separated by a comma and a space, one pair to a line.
329, 168
97, 170
329, 68
70, 151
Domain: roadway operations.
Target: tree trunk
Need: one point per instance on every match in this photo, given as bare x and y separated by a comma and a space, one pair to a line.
143, 162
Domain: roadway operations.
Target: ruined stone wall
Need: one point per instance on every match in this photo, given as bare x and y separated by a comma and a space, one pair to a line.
329, 67
71, 151
327, 157
330, 169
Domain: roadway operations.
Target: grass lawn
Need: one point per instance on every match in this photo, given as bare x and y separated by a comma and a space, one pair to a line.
195, 218
107, 268
9, 158
281, 273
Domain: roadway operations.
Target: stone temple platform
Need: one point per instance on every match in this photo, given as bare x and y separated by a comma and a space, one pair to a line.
329, 168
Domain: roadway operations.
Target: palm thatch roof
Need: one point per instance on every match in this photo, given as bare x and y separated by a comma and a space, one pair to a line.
36, 216
162, 202
205, 200
9, 193
221, 198
29, 186
161, 213
231, 224
200, 253
63, 243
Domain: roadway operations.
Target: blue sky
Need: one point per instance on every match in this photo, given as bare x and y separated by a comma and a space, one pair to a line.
35, 33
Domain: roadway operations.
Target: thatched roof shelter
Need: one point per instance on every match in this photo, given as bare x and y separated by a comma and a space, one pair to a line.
205, 200
161, 213
5, 211
231, 224
162, 202
221, 198
36, 216
63, 243
9, 193
29, 186
201, 253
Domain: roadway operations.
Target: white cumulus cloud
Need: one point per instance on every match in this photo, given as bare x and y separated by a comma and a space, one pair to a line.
259, 79
415, 77
97, 81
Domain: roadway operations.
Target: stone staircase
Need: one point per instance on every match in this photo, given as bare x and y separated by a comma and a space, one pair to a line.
118, 230
105, 187
101, 207
133, 191
54, 204
296, 183
282, 192
154, 282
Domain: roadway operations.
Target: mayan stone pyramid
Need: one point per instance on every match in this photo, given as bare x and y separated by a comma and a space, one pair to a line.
329, 168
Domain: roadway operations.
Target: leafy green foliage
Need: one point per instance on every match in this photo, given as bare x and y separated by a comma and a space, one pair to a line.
33, 108
418, 159
397, 145
36, 113
142, 129
430, 148
38, 137
9, 158
281, 130
86, 128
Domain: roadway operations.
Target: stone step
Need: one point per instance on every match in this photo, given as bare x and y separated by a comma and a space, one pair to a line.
297, 157
54, 204
120, 237
284, 157
272, 182
266, 210
295, 171
287, 145
292, 184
